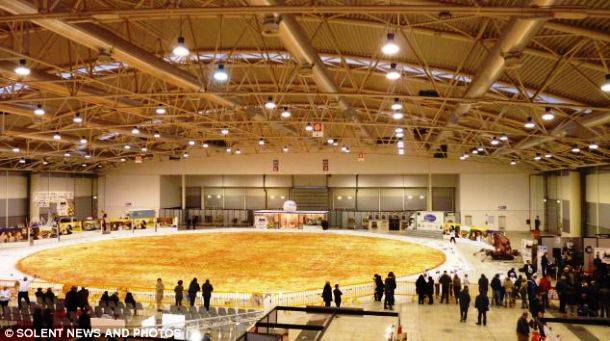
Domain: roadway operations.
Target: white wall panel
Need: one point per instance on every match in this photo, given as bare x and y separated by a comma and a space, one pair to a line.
170, 195
342, 181
130, 192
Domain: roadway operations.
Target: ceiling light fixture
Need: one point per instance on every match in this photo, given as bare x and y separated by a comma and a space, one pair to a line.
397, 115
398, 130
480, 149
400, 144
22, 160
605, 85
285, 149
270, 104
22, 68
16, 150
495, 141
475, 151
261, 142
56, 137
396, 105
548, 155
537, 157
530, 124
309, 127
393, 73
205, 145
180, 50
237, 151
400, 135
513, 162
285, 113
503, 137
39, 111
77, 119
224, 131
221, 74
229, 150
66, 154
575, 149
191, 142
330, 141
123, 159
593, 146
156, 135
127, 147
401, 151
83, 140
87, 156
135, 131
390, 47
548, 114
185, 155
160, 110
144, 149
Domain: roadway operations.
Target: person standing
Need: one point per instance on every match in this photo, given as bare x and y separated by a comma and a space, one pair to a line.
179, 291
379, 288
483, 284
421, 289
83, 298
71, 303
509, 288
481, 302
496, 286
327, 294
159, 290
206, 291
543, 288
5, 297
437, 284
464, 301
532, 289
562, 287
22, 294
537, 223
452, 236
337, 293
390, 286
430, 290
457, 287
523, 328
194, 288
445, 282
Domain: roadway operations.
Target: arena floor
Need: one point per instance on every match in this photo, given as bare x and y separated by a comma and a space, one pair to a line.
234, 262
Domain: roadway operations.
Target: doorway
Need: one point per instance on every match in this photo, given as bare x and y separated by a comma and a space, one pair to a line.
502, 223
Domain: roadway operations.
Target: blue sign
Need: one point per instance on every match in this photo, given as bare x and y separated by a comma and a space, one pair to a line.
430, 218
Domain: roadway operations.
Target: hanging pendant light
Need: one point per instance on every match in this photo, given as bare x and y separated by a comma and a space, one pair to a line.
180, 50
390, 47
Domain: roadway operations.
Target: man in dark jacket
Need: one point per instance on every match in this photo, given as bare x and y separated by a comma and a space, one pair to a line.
379, 288
562, 287
544, 264
532, 289
496, 287
523, 328
445, 281
206, 291
482, 305
457, 287
327, 294
83, 298
483, 284
464, 300
389, 286
420, 289
71, 303
193, 290
430, 290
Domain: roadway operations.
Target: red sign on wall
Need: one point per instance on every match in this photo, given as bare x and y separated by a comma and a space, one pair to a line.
325, 165
276, 165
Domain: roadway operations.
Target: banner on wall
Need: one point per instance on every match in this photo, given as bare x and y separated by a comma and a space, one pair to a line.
526, 250
325, 165
65, 208
276, 165
604, 254
318, 130
429, 220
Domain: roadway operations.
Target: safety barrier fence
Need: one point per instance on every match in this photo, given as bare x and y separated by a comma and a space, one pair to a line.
404, 287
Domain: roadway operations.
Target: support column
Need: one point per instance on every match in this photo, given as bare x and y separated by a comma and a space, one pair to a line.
183, 191
429, 196
34, 210
574, 192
